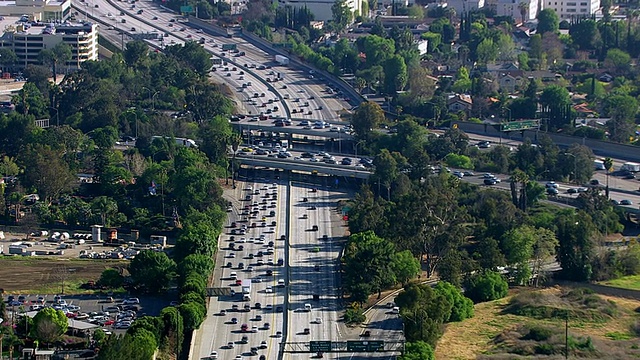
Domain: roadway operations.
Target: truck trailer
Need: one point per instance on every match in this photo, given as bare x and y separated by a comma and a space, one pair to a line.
282, 60
246, 286
630, 166
180, 141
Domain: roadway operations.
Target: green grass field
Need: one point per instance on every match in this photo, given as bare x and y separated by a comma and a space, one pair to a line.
631, 282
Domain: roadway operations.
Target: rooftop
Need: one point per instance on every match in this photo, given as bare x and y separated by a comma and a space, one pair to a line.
13, 24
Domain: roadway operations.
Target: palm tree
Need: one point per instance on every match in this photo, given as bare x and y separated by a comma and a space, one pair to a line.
524, 10
608, 165
519, 177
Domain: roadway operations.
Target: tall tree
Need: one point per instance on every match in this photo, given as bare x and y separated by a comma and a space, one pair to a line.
395, 74
576, 246
548, 21
366, 119
46, 171
49, 325
152, 270
342, 15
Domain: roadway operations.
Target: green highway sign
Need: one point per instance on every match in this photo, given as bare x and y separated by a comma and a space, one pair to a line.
320, 346
365, 346
186, 9
519, 125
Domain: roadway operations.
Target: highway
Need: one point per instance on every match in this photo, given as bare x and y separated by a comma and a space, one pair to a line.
313, 264
299, 85
218, 330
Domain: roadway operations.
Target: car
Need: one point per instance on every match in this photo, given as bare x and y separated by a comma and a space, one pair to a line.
258, 317
367, 333
244, 339
552, 191
626, 202
258, 306
279, 309
263, 344
269, 289
244, 327
318, 320
306, 331
131, 301
572, 190
234, 320
254, 329
594, 182
278, 334
213, 355
551, 184
230, 345
488, 176
614, 202
223, 312
490, 181
469, 173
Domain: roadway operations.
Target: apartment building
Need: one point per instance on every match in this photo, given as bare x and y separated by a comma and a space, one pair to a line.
515, 8
464, 6
27, 39
567, 9
321, 9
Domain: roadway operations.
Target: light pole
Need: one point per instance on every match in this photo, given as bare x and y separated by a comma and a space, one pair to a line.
133, 111
575, 168
151, 97
57, 115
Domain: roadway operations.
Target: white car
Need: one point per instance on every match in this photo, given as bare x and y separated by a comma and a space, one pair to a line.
269, 290
131, 301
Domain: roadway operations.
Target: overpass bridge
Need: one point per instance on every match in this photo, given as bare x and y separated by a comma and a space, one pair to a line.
292, 130
312, 168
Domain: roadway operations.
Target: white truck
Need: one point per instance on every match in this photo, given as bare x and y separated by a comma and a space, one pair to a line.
282, 60
246, 286
599, 164
180, 141
630, 166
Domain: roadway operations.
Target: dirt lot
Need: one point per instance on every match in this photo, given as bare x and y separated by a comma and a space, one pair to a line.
32, 275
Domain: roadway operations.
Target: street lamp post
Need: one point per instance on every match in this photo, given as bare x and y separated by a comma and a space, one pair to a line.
575, 168
133, 111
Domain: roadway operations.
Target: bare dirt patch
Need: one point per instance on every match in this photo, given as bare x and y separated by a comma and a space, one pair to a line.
44, 276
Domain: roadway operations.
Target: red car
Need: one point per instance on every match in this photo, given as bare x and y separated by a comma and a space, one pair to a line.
244, 328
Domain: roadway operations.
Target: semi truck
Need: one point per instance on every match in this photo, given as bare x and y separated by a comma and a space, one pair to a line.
246, 286
282, 60
227, 47
180, 141
630, 166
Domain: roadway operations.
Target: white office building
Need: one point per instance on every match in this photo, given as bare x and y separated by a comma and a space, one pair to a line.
512, 8
37, 10
321, 9
464, 6
28, 39
567, 9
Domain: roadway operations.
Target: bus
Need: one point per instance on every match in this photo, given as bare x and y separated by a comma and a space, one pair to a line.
227, 47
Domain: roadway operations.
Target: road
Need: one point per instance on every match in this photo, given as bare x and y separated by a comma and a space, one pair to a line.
217, 331
299, 84
313, 265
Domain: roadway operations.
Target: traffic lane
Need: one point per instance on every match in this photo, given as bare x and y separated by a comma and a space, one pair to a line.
231, 334
310, 250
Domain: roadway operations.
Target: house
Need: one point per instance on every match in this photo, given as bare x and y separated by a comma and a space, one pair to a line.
582, 110
607, 78
460, 102
543, 75
508, 82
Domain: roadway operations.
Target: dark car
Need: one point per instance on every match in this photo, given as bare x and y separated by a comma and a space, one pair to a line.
489, 182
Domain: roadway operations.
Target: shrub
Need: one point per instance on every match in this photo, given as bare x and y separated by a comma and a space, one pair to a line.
354, 314
538, 333
486, 286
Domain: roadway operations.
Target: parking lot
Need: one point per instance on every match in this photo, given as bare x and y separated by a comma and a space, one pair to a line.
102, 310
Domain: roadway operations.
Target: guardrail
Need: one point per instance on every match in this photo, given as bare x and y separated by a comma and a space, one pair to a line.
286, 164
269, 48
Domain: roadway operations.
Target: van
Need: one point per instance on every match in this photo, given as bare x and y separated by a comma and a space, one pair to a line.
599, 165
395, 310
246, 297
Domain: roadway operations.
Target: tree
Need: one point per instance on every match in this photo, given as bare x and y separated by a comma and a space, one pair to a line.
585, 34
395, 74
135, 52
487, 51
548, 21
377, 49
418, 350
342, 15
574, 231
608, 165
193, 314
463, 82
111, 278
405, 266
544, 248
46, 171
106, 207
366, 118
368, 260
517, 245
30, 101
49, 325
151, 270
8, 58
523, 7
622, 110
618, 61
386, 169
486, 286
61, 53
462, 306
555, 102
423, 311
